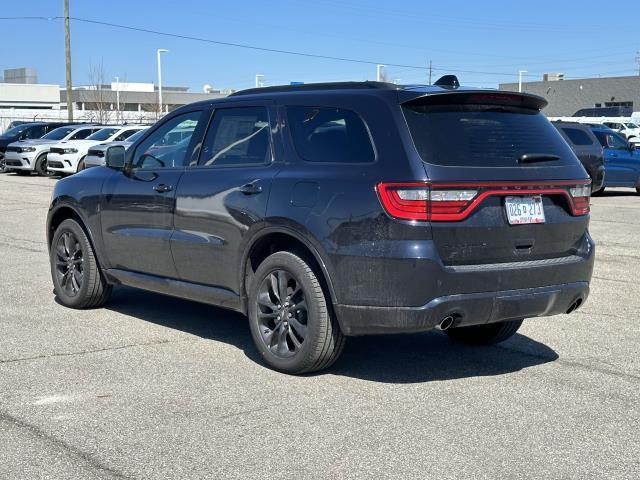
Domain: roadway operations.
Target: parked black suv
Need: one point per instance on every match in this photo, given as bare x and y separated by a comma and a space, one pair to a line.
25, 131
587, 148
328, 210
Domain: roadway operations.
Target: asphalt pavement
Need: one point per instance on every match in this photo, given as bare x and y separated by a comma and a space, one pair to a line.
153, 387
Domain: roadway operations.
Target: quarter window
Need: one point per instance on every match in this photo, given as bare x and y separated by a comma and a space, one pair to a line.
578, 137
323, 134
167, 146
237, 136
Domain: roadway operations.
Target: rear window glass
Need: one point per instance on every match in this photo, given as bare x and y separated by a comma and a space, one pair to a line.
577, 136
336, 135
483, 135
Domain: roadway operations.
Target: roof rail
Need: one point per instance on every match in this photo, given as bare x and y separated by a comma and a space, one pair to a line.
316, 86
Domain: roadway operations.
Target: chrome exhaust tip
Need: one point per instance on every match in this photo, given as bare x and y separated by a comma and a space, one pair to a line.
446, 323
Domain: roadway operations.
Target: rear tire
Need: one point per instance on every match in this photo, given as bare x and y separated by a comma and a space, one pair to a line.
77, 279
487, 334
41, 166
292, 324
3, 166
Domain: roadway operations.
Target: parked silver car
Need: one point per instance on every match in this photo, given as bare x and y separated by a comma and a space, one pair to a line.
95, 155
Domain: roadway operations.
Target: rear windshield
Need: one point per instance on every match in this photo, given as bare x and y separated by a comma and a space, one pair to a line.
483, 135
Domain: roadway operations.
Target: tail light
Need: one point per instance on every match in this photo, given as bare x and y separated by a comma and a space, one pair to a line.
451, 202
580, 194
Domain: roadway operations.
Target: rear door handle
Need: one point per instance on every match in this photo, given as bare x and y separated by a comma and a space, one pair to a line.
250, 189
162, 188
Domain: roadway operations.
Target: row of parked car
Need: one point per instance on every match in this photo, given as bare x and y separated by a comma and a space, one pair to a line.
610, 158
53, 148
609, 155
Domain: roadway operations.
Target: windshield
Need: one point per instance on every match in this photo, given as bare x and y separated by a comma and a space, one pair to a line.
15, 131
631, 125
483, 135
103, 134
136, 136
59, 133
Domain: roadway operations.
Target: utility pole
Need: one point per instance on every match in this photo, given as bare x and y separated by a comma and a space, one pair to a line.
430, 71
67, 50
520, 72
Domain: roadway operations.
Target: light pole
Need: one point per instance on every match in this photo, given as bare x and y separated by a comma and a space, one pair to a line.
118, 96
520, 72
259, 81
158, 52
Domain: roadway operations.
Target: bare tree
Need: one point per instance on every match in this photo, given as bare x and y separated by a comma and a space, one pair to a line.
97, 97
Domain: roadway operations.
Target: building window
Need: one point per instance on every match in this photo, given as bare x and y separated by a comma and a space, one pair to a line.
618, 104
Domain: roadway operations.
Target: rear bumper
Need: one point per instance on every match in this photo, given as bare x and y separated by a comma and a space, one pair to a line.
472, 294
466, 309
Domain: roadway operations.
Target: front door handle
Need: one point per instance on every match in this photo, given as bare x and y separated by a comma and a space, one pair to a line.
162, 188
250, 189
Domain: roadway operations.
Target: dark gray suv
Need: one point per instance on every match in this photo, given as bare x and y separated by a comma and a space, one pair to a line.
329, 210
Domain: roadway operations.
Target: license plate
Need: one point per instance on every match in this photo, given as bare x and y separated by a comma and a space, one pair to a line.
523, 210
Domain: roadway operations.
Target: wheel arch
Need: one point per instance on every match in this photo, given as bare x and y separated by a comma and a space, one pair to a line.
274, 239
65, 211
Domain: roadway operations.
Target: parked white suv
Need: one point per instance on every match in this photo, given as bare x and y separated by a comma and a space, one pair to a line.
95, 155
26, 156
68, 157
628, 129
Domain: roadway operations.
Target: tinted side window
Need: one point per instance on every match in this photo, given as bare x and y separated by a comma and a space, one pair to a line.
616, 142
164, 148
577, 136
124, 135
237, 136
35, 132
330, 135
82, 134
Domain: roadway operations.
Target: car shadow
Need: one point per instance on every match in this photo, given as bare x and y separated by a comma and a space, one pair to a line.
406, 358
617, 193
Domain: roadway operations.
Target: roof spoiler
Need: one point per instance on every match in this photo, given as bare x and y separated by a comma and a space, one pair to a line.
471, 97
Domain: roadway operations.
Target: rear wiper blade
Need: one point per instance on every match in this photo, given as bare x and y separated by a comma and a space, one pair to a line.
537, 157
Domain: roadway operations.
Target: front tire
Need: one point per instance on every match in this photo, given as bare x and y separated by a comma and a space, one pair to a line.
77, 279
292, 325
81, 166
41, 166
488, 334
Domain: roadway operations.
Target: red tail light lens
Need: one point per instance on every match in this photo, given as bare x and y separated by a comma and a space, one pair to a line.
580, 195
451, 202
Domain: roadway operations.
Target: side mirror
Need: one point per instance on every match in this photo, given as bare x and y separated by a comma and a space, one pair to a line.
114, 157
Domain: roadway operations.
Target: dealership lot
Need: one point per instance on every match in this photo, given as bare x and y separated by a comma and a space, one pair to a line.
155, 387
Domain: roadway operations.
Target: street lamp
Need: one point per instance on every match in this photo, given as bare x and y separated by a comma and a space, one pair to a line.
520, 72
158, 52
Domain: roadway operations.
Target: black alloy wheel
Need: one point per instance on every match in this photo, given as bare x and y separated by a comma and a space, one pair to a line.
292, 322
282, 313
41, 166
69, 263
77, 279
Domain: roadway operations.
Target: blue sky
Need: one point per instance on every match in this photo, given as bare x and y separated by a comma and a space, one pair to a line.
488, 42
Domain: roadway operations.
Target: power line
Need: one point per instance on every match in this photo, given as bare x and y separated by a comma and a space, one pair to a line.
270, 50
